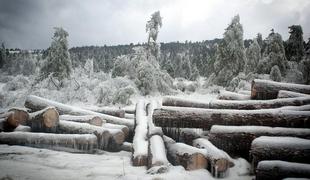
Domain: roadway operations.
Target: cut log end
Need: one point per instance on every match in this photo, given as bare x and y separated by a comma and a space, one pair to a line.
50, 117
139, 161
17, 116
97, 121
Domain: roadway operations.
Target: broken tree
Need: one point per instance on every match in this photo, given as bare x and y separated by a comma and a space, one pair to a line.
265, 89
204, 118
236, 140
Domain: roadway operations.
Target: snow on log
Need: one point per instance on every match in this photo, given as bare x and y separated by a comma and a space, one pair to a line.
296, 108
90, 119
219, 161
278, 170
204, 118
191, 158
108, 139
227, 95
236, 140
152, 129
157, 152
113, 111
62, 142
126, 146
22, 128
244, 92
124, 128
129, 116
290, 94
37, 103
265, 89
130, 110
45, 120
280, 148
236, 104
140, 141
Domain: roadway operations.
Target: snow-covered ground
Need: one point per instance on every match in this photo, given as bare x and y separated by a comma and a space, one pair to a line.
20, 162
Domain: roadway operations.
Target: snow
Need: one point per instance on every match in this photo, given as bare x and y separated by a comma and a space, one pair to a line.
281, 142
296, 108
158, 150
289, 94
181, 148
259, 129
23, 128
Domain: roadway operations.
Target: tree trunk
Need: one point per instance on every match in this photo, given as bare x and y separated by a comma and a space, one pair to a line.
45, 120
236, 104
278, 170
157, 152
140, 141
108, 139
236, 140
90, 119
227, 95
218, 161
280, 148
290, 94
264, 89
205, 118
191, 158
37, 103
63, 142
117, 112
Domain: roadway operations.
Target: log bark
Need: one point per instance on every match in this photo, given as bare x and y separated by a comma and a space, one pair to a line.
156, 152
184, 135
108, 139
236, 140
45, 120
205, 118
227, 95
219, 161
280, 148
290, 94
140, 141
278, 170
37, 103
90, 119
191, 158
236, 104
264, 89
63, 142
117, 112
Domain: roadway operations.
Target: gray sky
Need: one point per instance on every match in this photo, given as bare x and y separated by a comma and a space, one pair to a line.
29, 24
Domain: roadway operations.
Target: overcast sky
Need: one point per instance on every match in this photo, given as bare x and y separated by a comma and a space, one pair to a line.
28, 24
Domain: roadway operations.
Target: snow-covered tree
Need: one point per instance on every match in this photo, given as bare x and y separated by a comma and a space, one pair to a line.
274, 54
2, 55
58, 61
253, 55
259, 39
275, 73
152, 28
294, 48
230, 55
89, 67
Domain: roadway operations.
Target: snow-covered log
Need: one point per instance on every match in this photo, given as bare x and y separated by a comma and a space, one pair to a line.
278, 170
22, 128
204, 118
191, 158
124, 128
108, 139
218, 161
45, 120
265, 89
140, 140
129, 116
237, 104
280, 148
90, 119
227, 95
152, 129
157, 153
113, 111
126, 146
236, 140
244, 92
37, 103
290, 94
130, 110
63, 142
296, 108
13, 117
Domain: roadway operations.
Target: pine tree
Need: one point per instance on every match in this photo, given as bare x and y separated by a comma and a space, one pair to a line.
294, 49
275, 73
152, 28
2, 55
230, 55
58, 61
253, 54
